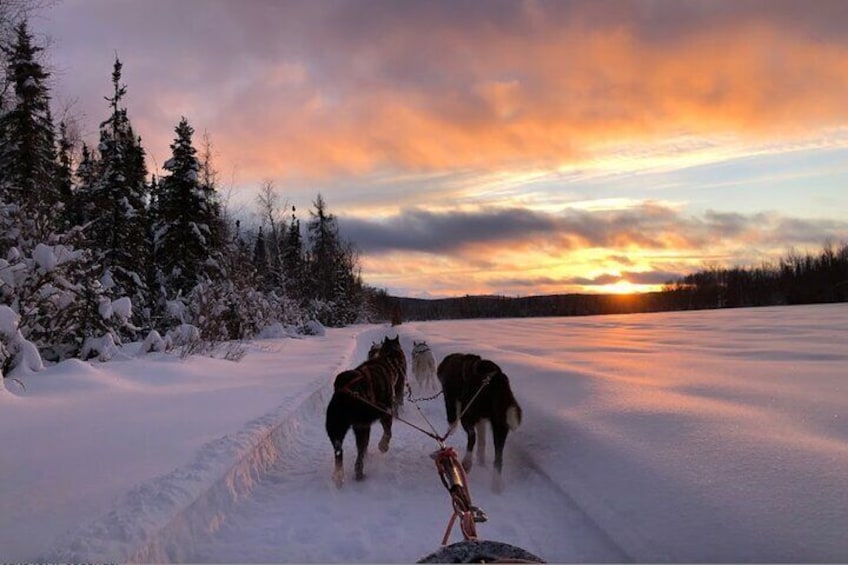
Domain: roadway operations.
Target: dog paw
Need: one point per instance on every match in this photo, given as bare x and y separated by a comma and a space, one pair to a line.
338, 478
497, 482
383, 445
466, 462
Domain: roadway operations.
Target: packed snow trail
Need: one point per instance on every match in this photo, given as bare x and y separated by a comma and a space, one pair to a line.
400, 511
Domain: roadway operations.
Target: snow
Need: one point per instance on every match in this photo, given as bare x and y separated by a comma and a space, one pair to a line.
9, 320
716, 436
13, 344
105, 308
122, 308
153, 342
104, 348
183, 334
44, 257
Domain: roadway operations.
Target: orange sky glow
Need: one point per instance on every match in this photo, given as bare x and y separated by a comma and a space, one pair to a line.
517, 148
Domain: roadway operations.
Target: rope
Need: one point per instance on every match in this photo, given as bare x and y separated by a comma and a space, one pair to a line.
396, 417
450, 470
433, 434
453, 426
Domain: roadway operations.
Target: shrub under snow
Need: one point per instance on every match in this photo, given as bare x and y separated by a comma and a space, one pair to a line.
15, 351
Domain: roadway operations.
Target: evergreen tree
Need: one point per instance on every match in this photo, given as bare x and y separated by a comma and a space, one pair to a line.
293, 261
118, 218
186, 230
27, 140
324, 240
82, 204
336, 286
54, 289
260, 262
64, 176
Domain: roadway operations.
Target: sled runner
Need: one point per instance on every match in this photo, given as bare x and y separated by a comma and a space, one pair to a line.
471, 549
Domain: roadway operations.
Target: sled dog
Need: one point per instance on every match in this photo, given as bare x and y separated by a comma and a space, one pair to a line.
372, 391
423, 366
375, 349
462, 375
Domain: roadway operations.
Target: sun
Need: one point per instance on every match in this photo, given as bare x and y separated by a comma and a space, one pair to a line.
626, 287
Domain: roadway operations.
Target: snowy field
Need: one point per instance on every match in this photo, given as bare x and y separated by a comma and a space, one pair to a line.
715, 436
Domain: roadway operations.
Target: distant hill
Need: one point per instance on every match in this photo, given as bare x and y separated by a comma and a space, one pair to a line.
489, 306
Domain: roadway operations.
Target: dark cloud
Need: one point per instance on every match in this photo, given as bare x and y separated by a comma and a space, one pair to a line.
649, 226
419, 230
654, 277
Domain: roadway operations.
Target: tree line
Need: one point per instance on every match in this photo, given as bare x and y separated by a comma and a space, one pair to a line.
94, 249
794, 279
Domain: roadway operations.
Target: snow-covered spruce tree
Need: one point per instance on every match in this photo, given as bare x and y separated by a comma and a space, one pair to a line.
336, 289
264, 280
187, 223
27, 141
82, 204
294, 262
117, 223
54, 289
42, 272
65, 176
15, 349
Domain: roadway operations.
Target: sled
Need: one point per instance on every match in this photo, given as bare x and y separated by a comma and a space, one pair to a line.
470, 549
481, 551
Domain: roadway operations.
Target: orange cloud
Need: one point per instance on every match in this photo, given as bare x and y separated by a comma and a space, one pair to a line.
545, 99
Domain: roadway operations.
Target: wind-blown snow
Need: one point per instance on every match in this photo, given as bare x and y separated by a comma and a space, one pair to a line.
696, 436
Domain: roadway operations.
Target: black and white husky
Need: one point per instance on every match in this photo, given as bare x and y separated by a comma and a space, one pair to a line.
424, 366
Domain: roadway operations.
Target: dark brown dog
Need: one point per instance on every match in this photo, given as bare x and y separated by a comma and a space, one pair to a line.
462, 375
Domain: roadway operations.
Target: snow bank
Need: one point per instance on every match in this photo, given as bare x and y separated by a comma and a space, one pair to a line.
187, 422
162, 520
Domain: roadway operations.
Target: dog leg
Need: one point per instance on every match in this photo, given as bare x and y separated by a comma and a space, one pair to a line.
338, 471
472, 438
497, 482
481, 443
499, 433
363, 434
386, 422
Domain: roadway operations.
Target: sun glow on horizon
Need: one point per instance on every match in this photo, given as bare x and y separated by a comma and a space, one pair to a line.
624, 287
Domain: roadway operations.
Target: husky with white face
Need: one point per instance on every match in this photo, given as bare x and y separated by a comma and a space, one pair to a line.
424, 366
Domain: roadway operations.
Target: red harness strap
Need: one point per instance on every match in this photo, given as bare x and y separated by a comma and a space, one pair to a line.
371, 399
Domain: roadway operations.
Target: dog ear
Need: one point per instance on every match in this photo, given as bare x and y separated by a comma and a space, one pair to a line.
486, 368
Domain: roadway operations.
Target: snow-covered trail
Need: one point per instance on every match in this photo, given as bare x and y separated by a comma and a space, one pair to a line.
401, 510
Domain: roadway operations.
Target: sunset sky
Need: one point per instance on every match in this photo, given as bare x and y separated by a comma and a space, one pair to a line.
472, 147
